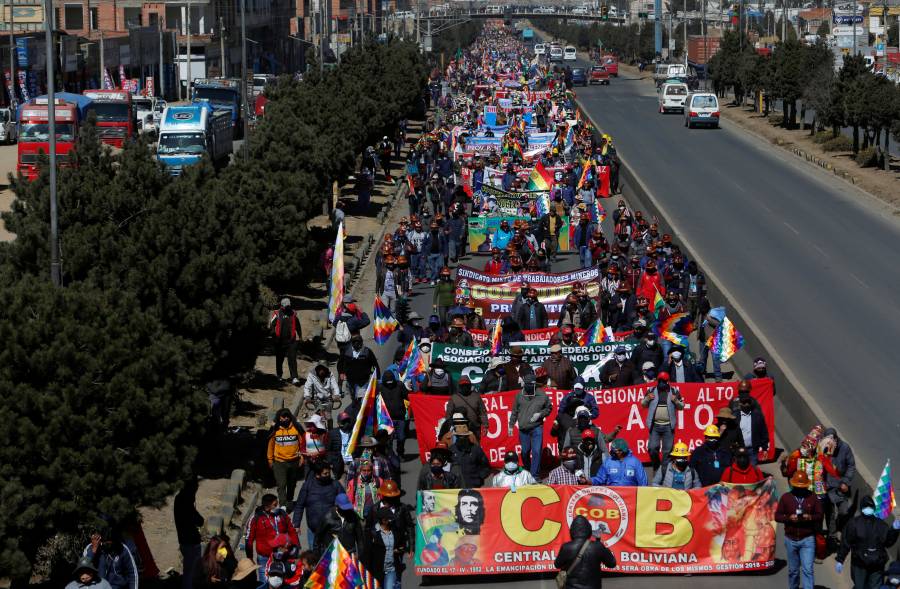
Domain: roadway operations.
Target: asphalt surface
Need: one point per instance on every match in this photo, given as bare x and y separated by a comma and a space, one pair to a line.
421, 303
808, 258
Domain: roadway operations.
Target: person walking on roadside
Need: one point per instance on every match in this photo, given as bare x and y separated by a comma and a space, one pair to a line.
355, 367
801, 513
583, 556
285, 454
285, 325
468, 402
742, 469
710, 459
268, 524
621, 469
316, 498
677, 474
866, 538
530, 409
187, 527
444, 294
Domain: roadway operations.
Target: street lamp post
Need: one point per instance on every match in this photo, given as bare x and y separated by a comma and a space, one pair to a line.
244, 97
55, 274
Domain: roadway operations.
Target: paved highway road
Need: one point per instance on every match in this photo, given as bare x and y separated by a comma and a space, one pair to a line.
812, 261
421, 302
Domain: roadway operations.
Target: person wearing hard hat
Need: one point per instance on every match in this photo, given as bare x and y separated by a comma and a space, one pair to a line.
801, 513
677, 473
710, 459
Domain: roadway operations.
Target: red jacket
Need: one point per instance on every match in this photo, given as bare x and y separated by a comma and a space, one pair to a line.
648, 285
493, 267
751, 474
264, 528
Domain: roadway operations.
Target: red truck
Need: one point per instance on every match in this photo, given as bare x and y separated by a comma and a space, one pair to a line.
34, 134
598, 75
116, 122
611, 63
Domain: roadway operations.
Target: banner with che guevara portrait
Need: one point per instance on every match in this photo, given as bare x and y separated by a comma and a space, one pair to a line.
490, 531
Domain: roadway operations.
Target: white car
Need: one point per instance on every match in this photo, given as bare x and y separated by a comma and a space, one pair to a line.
701, 108
672, 97
7, 126
540, 49
556, 53
569, 53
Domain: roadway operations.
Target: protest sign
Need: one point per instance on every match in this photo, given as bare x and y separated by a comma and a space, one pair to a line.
482, 230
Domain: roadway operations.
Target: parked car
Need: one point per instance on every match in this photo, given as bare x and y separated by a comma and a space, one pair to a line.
556, 53
599, 75
540, 49
7, 126
701, 108
579, 77
672, 96
569, 53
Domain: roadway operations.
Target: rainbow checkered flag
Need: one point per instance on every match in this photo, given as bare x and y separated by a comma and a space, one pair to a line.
496, 338
885, 501
338, 569
365, 419
336, 295
595, 334
385, 324
382, 416
725, 341
658, 303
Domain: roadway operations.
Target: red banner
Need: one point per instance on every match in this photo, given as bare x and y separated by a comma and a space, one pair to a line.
619, 406
480, 336
718, 529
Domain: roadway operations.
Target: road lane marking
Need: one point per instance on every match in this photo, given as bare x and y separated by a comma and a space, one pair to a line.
791, 227
858, 279
818, 249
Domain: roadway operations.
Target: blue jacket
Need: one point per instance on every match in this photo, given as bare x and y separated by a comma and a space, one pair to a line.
589, 228
587, 399
457, 228
317, 500
628, 472
501, 238
119, 570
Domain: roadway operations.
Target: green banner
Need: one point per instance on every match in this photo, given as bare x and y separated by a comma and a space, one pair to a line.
482, 230
473, 362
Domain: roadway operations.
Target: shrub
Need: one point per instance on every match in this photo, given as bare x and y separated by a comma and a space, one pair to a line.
867, 158
839, 143
823, 136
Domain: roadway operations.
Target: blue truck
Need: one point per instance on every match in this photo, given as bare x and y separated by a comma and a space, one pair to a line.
224, 94
186, 133
527, 34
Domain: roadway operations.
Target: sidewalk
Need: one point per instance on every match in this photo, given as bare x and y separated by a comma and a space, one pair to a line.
242, 449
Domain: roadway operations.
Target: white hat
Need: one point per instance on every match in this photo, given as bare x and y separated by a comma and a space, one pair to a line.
495, 362
317, 420
578, 385
581, 410
647, 365
425, 341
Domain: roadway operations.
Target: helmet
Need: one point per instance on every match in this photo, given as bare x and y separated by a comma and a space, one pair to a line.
445, 271
711, 431
389, 260
680, 450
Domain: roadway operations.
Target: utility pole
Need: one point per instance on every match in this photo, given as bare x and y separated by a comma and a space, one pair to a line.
55, 274
244, 75
162, 74
741, 25
685, 25
12, 52
222, 45
322, 39
854, 28
188, 19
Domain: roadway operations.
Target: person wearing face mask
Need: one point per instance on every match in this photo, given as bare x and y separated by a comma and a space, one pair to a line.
493, 376
837, 506
512, 476
680, 370
647, 375
342, 523
662, 403
583, 423
565, 473
336, 453
437, 473
515, 369
677, 474
570, 313
621, 469
741, 470
751, 422
710, 459
801, 513
560, 371
444, 293
649, 351
650, 282
355, 366
866, 538
618, 371
268, 524
532, 314
363, 489
622, 308
467, 460
761, 370
395, 395
285, 325
316, 498
350, 319
458, 334
287, 444
275, 575
591, 455
468, 402
530, 409
731, 438
439, 380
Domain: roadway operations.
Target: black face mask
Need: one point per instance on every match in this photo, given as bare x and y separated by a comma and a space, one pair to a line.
346, 427
742, 461
465, 390
284, 423
713, 443
324, 480
436, 469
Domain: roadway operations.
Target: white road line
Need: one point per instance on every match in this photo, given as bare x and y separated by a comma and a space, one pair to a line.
858, 279
791, 227
818, 249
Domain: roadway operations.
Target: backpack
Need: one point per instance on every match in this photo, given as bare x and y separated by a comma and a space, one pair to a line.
342, 332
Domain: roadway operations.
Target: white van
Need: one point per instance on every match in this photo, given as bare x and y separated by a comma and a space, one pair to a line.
672, 97
556, 53
569, 53
701, 108
540, 49
664, 71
